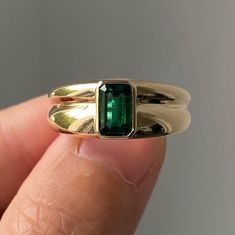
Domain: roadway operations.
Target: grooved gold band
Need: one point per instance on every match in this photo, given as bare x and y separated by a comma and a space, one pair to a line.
156, 109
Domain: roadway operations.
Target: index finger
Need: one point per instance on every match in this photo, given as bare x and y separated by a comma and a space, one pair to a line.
24, 136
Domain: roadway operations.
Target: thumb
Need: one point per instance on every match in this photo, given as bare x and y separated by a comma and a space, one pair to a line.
86, 186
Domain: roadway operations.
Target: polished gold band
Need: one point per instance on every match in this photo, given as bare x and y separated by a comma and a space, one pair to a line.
156, 109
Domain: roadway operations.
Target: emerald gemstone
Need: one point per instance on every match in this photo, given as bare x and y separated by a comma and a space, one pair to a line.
115, 109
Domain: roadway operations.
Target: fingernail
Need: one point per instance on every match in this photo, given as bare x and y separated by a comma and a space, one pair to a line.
131, 159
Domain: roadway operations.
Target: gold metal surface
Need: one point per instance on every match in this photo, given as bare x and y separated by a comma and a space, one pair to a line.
158, 109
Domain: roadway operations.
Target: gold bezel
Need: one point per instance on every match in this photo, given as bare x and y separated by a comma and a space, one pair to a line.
100, 83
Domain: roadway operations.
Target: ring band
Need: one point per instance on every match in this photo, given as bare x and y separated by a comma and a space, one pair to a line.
120, 108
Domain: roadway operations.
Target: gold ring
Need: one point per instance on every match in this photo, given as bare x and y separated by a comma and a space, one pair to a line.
120, 108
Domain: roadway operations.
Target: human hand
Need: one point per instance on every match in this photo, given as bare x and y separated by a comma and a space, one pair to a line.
67, 185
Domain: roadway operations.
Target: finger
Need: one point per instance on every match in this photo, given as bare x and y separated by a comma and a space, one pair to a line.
24, 136
86, 187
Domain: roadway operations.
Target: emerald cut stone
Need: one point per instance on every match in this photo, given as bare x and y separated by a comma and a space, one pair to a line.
115, 109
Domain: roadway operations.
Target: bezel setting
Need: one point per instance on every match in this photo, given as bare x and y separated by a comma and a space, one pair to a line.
98, 107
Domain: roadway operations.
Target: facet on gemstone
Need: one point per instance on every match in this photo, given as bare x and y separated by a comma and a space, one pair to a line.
115, 109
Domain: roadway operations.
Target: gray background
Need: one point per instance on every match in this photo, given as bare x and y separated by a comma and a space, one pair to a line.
190, 43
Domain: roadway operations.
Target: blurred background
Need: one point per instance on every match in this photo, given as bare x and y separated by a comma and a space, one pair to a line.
188, 43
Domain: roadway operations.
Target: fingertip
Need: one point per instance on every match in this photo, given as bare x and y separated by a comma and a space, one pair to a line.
83, 194
130, 158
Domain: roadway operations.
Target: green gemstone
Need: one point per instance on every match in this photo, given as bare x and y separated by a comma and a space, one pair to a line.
115, 109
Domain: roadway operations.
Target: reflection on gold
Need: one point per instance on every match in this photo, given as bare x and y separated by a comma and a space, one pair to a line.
78, 118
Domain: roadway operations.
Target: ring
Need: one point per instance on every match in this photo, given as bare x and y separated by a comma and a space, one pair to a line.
120, 108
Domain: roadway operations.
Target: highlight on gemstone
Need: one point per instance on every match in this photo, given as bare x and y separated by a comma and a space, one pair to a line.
115, 109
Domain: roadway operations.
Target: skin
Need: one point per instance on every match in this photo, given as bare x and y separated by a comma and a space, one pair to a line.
61, 184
